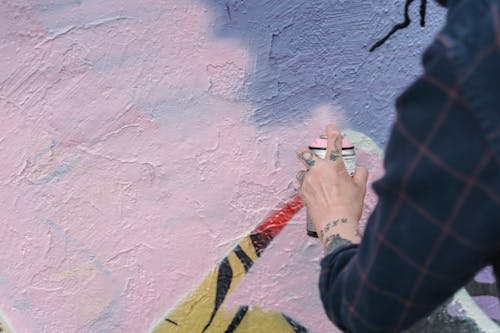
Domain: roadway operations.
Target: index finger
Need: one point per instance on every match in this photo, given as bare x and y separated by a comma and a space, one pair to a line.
334, 145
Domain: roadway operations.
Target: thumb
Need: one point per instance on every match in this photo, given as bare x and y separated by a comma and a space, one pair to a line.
360, 176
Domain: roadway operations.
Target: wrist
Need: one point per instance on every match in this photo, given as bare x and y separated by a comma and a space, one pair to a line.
334, 241
338, 231
334, 224
323, 216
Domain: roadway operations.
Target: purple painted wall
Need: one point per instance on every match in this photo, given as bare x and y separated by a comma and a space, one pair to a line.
141, 141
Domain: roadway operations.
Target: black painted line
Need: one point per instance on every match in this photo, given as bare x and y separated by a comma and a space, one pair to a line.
260, 241
297, 328
242, 311
244, 258
224, 279
171, 321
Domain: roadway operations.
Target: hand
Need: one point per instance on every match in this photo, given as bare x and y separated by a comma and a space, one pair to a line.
333, 198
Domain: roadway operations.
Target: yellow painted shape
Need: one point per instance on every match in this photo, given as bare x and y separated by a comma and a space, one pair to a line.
194, 311
4, 326
258, 320
247, 246
5, 329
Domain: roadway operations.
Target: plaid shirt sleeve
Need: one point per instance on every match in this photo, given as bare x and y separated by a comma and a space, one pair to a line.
438, 218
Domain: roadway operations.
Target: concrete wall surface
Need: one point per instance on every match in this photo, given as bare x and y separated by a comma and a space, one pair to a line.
147, 163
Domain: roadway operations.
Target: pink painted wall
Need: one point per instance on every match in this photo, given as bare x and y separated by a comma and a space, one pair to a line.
138, 145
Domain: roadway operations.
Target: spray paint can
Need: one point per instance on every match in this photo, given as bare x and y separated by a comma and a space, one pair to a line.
318, 147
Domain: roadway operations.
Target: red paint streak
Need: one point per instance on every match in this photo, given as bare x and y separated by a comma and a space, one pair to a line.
279, 218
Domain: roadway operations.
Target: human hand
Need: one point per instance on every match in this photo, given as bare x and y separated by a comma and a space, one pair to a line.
333, 198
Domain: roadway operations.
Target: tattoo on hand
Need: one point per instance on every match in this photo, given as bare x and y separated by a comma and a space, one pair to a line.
329, 226
308, 158
300, 176
337, 150
334, 241
334, 156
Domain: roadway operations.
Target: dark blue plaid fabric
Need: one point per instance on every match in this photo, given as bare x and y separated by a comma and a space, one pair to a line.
437, 222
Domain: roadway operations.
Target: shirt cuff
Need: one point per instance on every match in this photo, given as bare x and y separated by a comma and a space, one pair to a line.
329, 258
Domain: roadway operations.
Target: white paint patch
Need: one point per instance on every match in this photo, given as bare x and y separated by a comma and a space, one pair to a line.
471, 310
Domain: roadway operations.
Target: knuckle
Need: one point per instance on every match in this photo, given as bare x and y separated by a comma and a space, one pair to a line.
313, 172
300, 151
335, 134
363, 171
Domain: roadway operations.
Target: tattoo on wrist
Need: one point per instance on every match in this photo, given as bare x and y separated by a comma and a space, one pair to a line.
329, 226
334, 241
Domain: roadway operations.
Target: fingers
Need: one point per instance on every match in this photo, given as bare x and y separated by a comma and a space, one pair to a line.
300, 176
330, 128
360, 176
334, 146
307, 157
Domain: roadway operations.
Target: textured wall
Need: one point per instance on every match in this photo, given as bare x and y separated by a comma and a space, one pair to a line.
147, 156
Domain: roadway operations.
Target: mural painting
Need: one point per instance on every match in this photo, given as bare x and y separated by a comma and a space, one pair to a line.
147, 159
